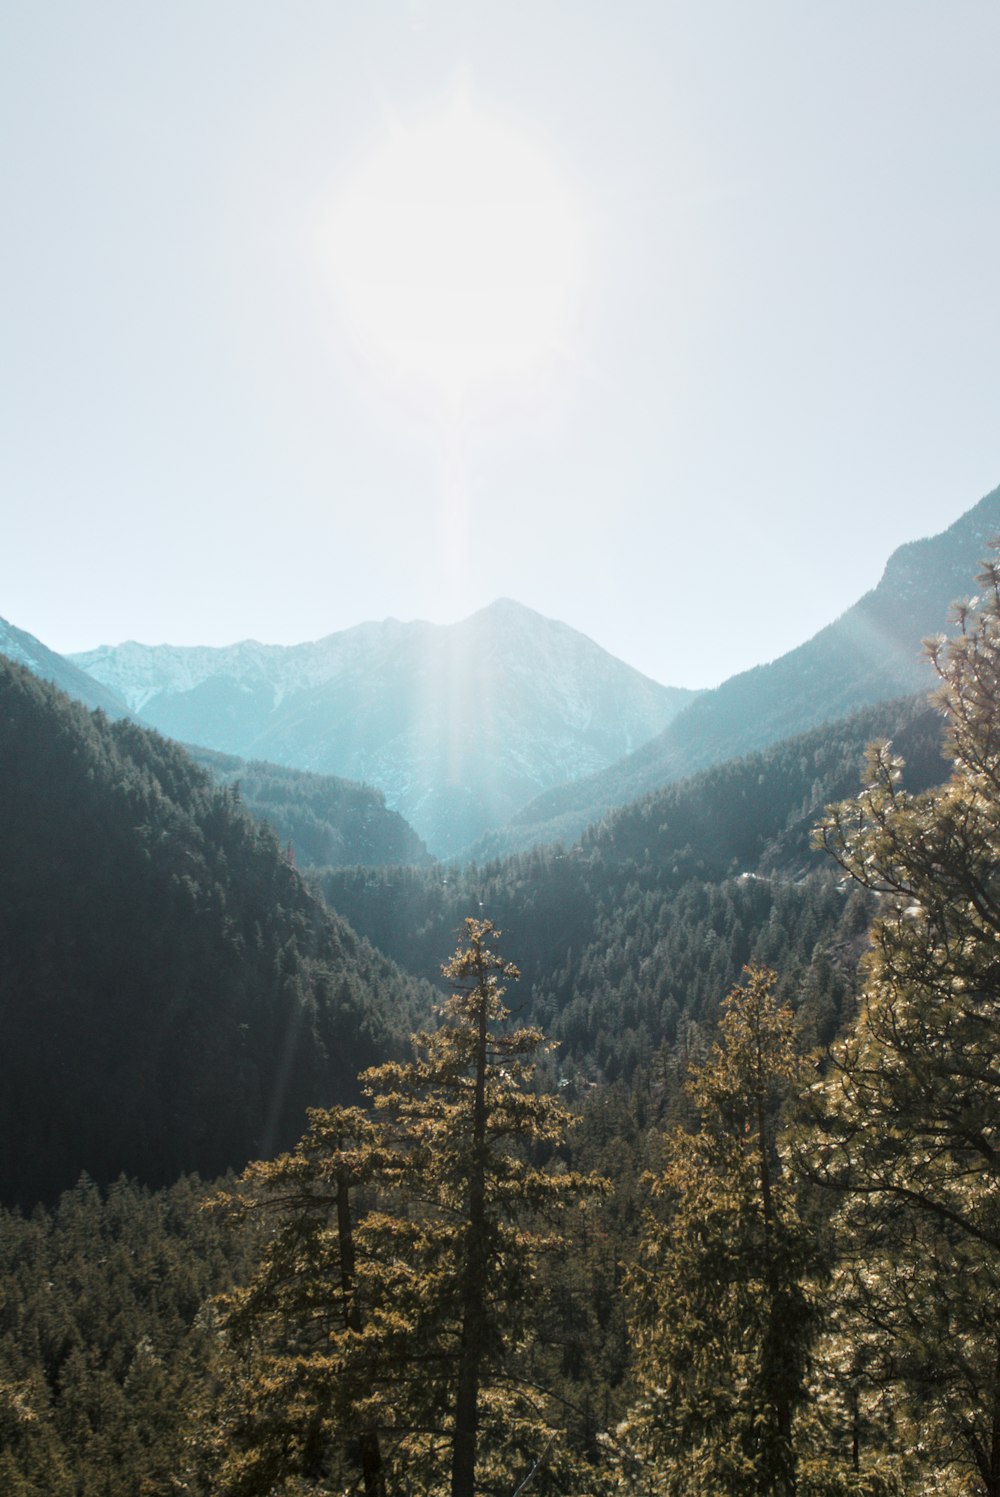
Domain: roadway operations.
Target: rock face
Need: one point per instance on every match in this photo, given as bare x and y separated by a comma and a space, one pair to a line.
872, 653
459, 725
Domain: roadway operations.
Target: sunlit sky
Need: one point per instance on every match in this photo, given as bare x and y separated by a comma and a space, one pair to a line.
670, 321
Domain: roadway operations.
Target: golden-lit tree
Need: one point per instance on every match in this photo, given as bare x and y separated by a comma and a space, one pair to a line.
305, 1341
391, 1329
722, 1317
909, 1116
478, 1167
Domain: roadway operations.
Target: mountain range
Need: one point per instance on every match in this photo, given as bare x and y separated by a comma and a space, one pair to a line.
458, 725
872, 653
507, 730
176, 994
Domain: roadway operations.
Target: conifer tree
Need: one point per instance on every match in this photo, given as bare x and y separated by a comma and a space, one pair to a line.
391, 1329
722, 1317
477, 1171
303, 1377
909, 1117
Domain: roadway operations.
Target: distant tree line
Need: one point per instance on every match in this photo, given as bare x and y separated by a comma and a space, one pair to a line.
642, 927
321, 819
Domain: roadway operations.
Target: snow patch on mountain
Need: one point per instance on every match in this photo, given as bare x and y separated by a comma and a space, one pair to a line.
458, 724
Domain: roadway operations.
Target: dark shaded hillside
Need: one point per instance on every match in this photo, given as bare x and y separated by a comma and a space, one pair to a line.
649, 919
171, 995
870, 654
325, 820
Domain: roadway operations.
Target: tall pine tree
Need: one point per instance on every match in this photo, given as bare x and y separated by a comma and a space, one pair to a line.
479, 1170
722, 1318
305, 1348
909, 1117
393, 1329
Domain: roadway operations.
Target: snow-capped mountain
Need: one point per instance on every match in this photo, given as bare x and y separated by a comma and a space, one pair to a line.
459, 725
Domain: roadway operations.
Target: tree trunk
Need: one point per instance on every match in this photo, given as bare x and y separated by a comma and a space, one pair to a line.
474, 1320
372, 1471
785, 1476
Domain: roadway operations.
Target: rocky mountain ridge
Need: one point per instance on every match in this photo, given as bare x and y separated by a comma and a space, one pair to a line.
872, 653
23, 648
458, 725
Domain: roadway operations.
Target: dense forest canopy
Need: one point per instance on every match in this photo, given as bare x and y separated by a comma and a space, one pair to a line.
649, 919
173, 996
322, 819
700, 1245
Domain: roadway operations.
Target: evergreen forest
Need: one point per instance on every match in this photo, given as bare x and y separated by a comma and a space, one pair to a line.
326, 820
665, 1162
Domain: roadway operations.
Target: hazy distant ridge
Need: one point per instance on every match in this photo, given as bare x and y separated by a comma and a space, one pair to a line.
25, 649
459, 725
873, 652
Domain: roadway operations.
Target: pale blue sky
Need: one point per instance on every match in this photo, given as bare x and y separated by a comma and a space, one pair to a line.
782, 363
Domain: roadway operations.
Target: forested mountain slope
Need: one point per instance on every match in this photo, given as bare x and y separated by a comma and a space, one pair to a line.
172, 995
25, 649
106, 1337
871, 653
324, 820
648, 921
459, 725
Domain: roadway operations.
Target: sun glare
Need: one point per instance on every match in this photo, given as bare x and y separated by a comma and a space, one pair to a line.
457, 249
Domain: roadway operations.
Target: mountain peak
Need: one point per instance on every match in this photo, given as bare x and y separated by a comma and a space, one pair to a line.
507, 611
509, 605
871, 653
457, 724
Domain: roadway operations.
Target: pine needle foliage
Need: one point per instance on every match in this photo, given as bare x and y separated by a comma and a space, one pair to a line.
909, 1118
303, 1351
722, 1318
478, 1159
390, 1338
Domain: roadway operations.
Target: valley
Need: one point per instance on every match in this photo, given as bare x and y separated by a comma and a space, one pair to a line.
499, 750
197, 947
458, 726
